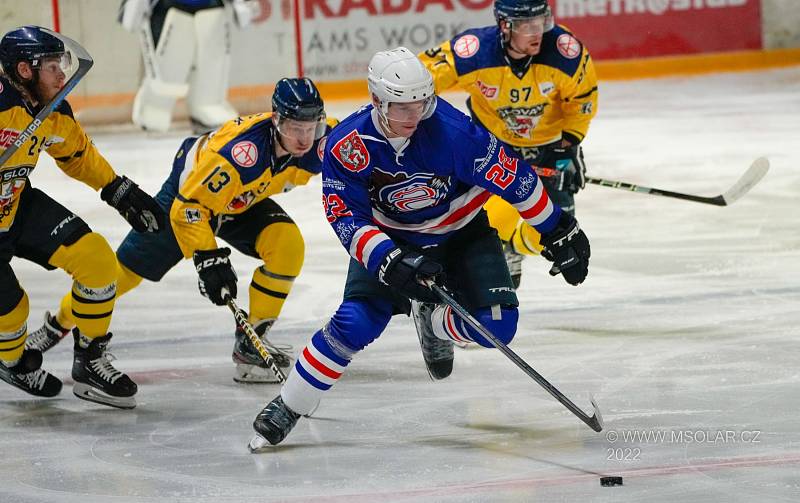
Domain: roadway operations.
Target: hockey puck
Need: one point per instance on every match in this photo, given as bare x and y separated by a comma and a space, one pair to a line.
610, 481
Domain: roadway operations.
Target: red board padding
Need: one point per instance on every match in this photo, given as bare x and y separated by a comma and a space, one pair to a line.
622, 29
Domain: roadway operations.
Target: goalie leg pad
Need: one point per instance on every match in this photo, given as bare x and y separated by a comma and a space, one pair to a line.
167, 62
208, 82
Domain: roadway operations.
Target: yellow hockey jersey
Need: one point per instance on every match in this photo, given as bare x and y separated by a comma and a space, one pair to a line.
229, 170
556, 94
59, 135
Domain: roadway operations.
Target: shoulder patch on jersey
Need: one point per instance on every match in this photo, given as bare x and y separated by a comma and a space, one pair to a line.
568, 46
351, 152
466, 46
245, 153
192, 215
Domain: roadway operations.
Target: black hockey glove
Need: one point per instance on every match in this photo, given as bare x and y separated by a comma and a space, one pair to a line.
562, 167
403, 270
216, 275
568, 248
135, 205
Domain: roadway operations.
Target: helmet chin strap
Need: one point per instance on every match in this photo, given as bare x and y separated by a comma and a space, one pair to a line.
384, 123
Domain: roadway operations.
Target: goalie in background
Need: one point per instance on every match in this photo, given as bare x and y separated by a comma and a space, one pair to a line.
186, 46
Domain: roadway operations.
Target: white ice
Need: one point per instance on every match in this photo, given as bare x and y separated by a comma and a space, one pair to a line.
687, 327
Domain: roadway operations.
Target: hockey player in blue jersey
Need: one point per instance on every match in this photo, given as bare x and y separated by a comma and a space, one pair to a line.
404, 183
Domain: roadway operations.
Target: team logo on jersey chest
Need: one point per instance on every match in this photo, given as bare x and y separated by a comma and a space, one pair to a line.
351, 152
245, 153
522, 121
8, 192
242, 201
321, 147
400, 192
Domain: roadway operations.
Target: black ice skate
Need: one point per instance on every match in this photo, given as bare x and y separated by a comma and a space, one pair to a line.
514, 262
438, 353
29, 376
47, 336
250, 366
96, 380
273, 424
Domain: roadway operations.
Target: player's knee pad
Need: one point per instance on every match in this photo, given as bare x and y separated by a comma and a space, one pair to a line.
268, 292
127, 280
282, 248
500, 321
358, 322
90, 261
93, 267
13, 328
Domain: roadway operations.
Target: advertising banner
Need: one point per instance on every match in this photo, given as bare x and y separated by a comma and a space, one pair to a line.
623, 29
339, 37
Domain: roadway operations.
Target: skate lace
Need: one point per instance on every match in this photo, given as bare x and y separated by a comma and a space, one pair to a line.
280, 415
43, 338
35, 379
102, 367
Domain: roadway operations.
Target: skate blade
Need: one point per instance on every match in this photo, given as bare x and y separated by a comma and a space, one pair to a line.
253, 374
257, 444
90, 394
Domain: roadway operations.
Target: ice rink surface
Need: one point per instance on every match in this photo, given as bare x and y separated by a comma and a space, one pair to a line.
686, 331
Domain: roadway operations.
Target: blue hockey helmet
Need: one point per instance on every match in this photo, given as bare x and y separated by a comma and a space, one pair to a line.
509, 10
297, 99
31, 44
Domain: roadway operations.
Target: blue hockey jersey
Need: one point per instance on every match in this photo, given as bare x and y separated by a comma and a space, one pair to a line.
377, 197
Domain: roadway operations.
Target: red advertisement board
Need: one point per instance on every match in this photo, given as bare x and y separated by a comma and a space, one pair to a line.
622, 29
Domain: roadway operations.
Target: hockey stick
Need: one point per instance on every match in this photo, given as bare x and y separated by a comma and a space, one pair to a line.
85, 62
594, 422
750, 177
241, 321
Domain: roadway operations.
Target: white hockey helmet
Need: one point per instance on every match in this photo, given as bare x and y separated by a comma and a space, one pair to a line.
398, 76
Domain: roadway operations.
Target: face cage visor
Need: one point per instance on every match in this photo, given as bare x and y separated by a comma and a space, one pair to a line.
530, 26
407, 112
303, 131
54, 61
